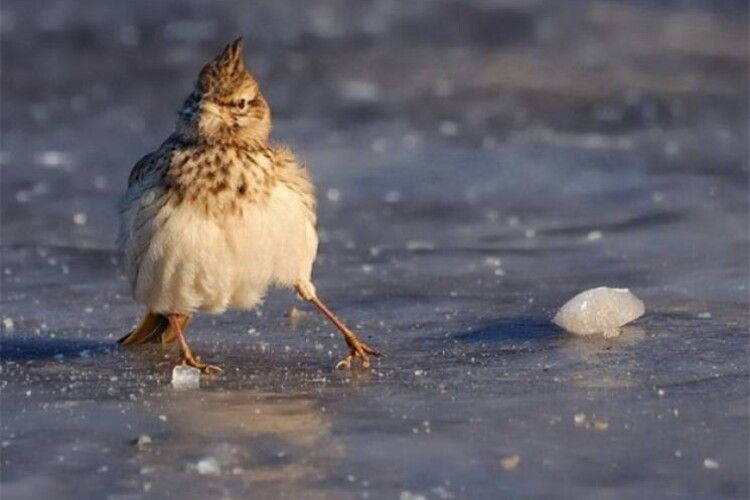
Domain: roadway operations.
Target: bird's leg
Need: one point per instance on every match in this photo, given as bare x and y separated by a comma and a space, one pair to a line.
357, 348
176, 321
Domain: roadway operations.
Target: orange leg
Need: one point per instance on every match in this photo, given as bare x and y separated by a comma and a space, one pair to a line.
357, 348
176, 321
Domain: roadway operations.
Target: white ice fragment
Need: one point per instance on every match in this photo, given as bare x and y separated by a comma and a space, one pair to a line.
208, 466
510, 462
704, 315
579, 418
185, 377
142, 440
333, 195
710, 463
8, 324
594, 236
493, 261
599, 310
80, 218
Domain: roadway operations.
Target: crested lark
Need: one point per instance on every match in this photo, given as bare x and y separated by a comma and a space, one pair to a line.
217, 214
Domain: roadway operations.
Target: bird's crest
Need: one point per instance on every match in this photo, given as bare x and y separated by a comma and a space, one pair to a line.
225, 72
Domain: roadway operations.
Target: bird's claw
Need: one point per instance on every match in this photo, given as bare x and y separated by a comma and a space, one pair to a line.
358, 351
205, 369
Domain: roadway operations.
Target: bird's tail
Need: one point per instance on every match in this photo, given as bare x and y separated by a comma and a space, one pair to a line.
154, 327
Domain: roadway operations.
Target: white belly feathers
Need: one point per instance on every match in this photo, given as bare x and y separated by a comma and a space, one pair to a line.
193, 262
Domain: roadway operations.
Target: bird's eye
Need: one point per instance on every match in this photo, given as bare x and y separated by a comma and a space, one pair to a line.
241, 104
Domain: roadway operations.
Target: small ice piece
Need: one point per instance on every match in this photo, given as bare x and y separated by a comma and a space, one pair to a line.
710, 463
185, 377
142, 440
8, 324
599, 310
80, 218
333, 195
594, 235
510, 462
208, 466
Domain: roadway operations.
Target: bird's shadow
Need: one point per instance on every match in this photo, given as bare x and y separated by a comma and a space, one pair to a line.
40, 349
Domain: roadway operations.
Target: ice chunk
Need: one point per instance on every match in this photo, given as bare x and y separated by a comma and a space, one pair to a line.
142, 441
710, 463
599, 310
185, 377
510, 462
208, 466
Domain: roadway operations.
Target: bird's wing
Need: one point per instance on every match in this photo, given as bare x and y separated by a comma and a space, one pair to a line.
295, 176
143, 198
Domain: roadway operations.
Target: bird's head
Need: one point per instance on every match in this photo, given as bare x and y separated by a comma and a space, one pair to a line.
226, 103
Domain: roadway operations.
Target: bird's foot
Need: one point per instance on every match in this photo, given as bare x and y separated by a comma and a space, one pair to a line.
205, 369
358, 350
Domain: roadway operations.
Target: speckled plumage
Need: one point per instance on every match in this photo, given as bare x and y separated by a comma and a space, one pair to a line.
217, 198
217, 213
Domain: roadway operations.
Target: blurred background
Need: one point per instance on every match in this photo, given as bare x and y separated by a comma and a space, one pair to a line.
478, 163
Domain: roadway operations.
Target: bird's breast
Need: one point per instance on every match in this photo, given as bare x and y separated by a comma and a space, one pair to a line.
221, 180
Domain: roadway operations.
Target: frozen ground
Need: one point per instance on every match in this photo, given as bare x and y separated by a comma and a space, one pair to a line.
479, 163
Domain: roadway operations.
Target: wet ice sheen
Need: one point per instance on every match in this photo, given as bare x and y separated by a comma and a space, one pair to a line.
599, 310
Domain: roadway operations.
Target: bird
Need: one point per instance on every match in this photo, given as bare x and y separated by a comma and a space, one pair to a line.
218, 214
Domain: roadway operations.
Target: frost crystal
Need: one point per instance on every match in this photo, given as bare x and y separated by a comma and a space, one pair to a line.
599, 310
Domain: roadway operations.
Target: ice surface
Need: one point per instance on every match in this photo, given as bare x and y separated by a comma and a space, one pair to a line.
599, 310
561, 122
185, 377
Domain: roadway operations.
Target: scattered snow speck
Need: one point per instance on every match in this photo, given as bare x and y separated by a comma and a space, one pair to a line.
8, 324
710, 463
418, 246
704, 315
392, 196
80, 218
52, 159
449, 128
408, 495
594, 236
579, 418
510, 462
493, 261
333, 195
